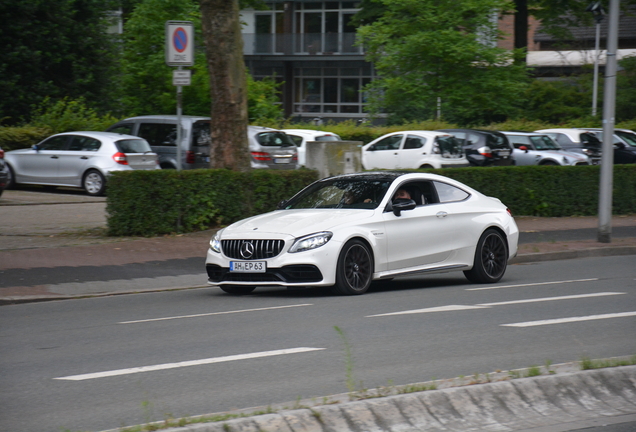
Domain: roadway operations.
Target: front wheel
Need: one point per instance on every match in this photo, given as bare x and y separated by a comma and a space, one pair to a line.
94, 183
237, 289
354, 269
491, 258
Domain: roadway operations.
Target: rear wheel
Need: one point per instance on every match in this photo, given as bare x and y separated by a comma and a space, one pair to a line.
549, 163
237, 289
94, 183
354, 269
491, 258
11, 179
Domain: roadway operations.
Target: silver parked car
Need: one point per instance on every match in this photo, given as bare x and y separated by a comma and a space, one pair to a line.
79, 159
269, 148
532, 148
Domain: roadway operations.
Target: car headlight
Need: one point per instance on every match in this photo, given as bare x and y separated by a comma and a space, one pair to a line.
215, 243
311, 241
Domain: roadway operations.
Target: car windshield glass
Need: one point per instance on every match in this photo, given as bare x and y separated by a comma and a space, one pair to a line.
590, 139
629, 138
341, 193
274, 139
133, 146
328, 138
449, 146
544, 142
201, 133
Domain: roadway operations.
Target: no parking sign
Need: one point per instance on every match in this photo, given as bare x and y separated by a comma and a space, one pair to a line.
179, 43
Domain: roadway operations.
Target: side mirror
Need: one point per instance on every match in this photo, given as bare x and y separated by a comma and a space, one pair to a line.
282, 204
402, 204
523, 148
35, 147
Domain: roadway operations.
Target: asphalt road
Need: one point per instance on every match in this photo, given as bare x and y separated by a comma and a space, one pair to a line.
56, 370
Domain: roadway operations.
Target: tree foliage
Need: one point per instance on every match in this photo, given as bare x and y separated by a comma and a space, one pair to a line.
56, 49
425, 50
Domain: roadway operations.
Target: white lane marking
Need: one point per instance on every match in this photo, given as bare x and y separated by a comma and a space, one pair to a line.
487, 305
569, 320
187, 364
433, 309
577, 296
532, 284
214, 313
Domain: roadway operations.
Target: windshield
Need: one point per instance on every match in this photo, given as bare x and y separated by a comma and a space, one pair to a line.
274, 139
497, 141
133, 146
629, 138
341, 193
544, 142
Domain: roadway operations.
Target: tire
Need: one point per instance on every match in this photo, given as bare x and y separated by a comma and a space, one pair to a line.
94, 183
426, 167
354, 270
491, 258
549, 163
11, 184
237, 289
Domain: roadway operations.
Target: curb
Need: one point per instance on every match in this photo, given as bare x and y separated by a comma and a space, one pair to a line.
539, 403
574, 254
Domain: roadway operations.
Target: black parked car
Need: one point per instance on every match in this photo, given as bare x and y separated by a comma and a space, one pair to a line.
4, 172
484, 147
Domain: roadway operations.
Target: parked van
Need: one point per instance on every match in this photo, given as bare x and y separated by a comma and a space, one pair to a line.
269, 148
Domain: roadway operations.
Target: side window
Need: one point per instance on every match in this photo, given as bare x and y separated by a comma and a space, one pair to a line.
517, 141
82, 143
414, 142
590, 138
296, 139
388, 143
158, 134
448, 193
471, 139
562, 139
448, 147
54, 143
123, 128
201, 133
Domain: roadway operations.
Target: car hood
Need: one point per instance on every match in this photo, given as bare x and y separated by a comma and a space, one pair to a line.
296, 222
572, 155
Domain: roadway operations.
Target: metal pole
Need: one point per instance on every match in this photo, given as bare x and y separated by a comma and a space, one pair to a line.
609, 102
596, 59
179, 125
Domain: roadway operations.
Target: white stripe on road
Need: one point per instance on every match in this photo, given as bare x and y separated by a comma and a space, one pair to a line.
569, 320
570, 297
532, 284
187, 363
213, 313
487, 305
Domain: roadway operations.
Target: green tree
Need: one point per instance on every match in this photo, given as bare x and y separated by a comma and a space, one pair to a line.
626, 89
430, 50
56, 49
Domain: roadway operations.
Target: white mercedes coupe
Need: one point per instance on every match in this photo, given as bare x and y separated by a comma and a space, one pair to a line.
346, 231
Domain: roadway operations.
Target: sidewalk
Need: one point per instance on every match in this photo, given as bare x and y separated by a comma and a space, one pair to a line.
52, 246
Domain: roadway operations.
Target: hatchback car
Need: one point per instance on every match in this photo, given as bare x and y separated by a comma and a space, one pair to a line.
577, 140
346, 231
79, 159
301, 136
484, 147
539, 149
268, 147
412, 150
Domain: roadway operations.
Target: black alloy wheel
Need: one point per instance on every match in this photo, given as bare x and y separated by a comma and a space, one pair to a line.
354, 270
491, 258
237, 289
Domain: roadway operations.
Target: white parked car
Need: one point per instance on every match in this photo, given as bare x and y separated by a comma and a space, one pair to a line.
301, 136
346, 231
79, 159
414, 149
531, 148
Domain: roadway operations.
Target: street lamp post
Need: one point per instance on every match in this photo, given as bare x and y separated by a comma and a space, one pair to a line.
597, 9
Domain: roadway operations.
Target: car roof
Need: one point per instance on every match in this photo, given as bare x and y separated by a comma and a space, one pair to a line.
523, 133
101, 135
479, 131
165, 117
309, 132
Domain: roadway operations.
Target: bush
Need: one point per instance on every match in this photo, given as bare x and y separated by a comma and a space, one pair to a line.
69, 115
13, 138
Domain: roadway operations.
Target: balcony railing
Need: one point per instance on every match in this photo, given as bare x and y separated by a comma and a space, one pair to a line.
301, 44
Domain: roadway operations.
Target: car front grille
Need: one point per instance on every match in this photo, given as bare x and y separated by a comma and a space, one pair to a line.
297, 273
252, 249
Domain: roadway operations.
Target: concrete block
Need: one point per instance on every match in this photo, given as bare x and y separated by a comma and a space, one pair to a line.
302, 420
439, 404
360, 417
472, 410
602, 388
331, 158
332, 418
618, 380
492, 399
534, 395
559, 392
388, 414
418, 414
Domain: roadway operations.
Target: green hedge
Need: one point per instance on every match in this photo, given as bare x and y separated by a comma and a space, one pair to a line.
158, 202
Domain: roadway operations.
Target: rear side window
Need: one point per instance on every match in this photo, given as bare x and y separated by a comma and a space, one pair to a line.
158, 134
449, 147
82, 143
518, 140
590, 138
296, 139
201, 133
274, 139
414, 142
448, 193
497, 142
133, 146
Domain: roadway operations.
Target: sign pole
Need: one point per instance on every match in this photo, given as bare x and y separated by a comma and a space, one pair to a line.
179, 128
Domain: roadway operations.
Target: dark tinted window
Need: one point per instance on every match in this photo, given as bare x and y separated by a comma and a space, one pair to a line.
274, 139
449, 147
201, 133
590, 138
414, 142
54, 143
497, 142
133, 146
388, 143
296, 139
82, 143
158, 134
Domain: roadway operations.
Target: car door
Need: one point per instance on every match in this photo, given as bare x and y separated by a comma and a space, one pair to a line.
413, 150
73, 160
522, 157
41, 165
384, 153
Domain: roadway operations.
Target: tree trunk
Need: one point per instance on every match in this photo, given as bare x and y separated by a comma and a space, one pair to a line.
228, 84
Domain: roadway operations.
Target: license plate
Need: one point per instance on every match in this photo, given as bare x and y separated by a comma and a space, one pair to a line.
248, 266
281, 160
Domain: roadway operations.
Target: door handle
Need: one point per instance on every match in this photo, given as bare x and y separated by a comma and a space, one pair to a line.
54, 157
84, 157
441, 214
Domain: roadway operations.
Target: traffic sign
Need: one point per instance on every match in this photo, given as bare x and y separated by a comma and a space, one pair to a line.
181, 77
179, 43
